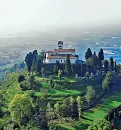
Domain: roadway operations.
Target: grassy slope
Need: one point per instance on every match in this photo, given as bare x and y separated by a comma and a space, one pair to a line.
11, 86
107, 103
64, 127
44, 83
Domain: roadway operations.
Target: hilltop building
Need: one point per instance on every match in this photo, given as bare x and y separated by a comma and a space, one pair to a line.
60, 54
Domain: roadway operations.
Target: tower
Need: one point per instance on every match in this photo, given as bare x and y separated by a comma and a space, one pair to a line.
60, 44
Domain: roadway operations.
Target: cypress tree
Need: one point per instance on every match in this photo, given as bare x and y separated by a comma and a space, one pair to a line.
106, 63
38, 65
33, 68
101, 57
111, 64
88, 54
29, 60
74, 111
35, 52
68, 65
115, 67
95, 61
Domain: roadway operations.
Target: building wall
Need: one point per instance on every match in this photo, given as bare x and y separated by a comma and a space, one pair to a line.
60, 60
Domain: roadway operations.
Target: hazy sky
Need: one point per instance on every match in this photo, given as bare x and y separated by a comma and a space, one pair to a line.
23, 15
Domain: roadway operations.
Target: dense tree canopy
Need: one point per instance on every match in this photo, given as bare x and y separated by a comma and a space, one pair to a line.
111, 64
100, 124
90, 94
68, 66
88, 54
20, 107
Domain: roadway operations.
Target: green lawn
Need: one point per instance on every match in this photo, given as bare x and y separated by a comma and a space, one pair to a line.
60, 93
64, 127
107, 103
55, 78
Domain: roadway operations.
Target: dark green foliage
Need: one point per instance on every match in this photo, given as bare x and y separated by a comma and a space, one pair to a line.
74, 111
35, 52
42, 55
31, 81
106, 65
101, 55
77, 68
90, 94
25, 85
44, 124
73, 69
65, 108
88, 54
115, 67
95, 61
68, 66
55, 69
21, 78
51, 83
30, 84
111, 64
38, 65
33, 68
101, 124
29, 60
106, 84
59, 74
58, 64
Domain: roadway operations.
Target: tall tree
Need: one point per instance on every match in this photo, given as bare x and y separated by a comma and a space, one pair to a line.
95, 61
29, 60
58, 64
35, 52
51, 83
71, 100
77, 67
20, 106
68, 66
80, 104
31, 81
57, 107
74, 111
38, 65
88, 54
111, 64
90, 94
107, 81
65, 107
115, 67
33, 68
106, 65
60, 74
101, 55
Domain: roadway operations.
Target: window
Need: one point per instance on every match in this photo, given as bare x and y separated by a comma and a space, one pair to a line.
61, 60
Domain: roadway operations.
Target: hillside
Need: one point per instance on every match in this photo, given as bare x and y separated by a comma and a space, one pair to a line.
38, 97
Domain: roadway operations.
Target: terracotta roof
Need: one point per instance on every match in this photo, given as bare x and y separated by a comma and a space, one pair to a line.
50, 51
61, 50
64, 50
60, 57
